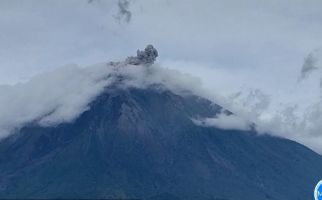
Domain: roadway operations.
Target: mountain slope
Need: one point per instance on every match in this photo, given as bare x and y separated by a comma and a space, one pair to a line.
142, 143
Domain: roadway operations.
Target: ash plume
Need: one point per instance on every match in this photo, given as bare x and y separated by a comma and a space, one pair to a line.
145, 57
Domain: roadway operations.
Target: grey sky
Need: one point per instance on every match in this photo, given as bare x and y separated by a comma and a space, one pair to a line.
234, 46
37, 35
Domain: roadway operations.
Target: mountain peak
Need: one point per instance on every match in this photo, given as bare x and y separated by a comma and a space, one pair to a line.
142, 144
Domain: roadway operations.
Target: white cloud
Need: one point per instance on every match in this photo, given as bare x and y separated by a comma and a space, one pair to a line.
290, 110
230, 45
289, 120
224, 121
62, 95
51, 98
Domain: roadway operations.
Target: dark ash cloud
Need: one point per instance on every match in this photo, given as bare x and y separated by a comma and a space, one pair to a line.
146, 57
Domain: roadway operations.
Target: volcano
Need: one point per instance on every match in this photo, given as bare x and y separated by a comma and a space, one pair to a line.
142, 143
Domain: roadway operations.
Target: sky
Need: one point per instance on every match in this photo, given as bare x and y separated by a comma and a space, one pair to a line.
262, 56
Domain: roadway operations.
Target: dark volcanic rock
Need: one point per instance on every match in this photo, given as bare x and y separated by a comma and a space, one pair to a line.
142, 144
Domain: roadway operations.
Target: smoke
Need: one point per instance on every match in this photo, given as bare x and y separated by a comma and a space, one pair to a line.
146, 57
310, 64
124, 14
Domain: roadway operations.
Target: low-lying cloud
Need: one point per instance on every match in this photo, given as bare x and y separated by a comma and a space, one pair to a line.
50, 98
292, 110
62, 95
225, 121
301, 123
252, 109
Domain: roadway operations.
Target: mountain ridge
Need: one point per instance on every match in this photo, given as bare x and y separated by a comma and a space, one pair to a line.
142, 143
